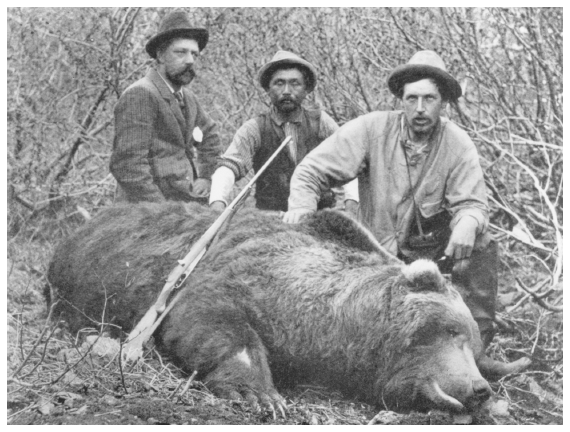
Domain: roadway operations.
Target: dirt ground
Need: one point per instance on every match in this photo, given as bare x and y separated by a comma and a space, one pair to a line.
56, 378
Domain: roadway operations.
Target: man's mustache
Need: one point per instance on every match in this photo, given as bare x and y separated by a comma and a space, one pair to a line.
189, 69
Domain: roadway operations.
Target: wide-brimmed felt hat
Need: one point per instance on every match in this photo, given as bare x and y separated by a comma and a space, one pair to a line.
425, 64
176, 24
281, 60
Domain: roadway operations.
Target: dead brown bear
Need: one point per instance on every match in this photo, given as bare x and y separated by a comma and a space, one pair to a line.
320, 301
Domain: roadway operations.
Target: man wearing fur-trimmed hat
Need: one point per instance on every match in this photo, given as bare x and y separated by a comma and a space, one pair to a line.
287, 79
165, 145
422, 191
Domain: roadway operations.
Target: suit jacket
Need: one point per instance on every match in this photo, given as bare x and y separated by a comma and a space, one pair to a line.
154, 148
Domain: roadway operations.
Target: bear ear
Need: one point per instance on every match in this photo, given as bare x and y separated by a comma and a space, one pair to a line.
423, 275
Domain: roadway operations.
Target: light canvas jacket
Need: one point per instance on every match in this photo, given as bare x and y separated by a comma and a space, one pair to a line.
154, 148
370, 149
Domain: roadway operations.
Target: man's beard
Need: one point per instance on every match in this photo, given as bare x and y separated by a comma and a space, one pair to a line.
287, 107
182, 78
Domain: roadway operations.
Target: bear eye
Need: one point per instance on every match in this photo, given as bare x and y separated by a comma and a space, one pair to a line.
452, 332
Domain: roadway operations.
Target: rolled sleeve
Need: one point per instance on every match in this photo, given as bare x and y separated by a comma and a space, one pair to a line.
239, 155
223, 181
351, 191
328, 127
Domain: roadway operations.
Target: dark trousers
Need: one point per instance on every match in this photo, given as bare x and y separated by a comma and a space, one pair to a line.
476, 277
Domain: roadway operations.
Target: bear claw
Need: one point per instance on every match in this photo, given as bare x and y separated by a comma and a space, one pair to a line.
273, 401
258, 401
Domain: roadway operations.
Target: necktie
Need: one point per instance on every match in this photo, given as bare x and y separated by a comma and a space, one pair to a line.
292, 146
180, 99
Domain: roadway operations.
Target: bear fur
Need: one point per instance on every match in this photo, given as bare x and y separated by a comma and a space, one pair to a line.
318, 302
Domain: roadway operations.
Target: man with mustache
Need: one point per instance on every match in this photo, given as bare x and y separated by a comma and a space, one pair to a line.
287, 79
422, 191
160, 126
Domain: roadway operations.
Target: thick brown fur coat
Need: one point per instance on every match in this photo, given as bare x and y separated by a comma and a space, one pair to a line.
319, 301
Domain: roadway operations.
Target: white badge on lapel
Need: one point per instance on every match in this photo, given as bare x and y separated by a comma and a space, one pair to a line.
197, 134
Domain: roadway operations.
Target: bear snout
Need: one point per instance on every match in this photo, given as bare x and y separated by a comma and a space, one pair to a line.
469, 397
441, 375
481, 390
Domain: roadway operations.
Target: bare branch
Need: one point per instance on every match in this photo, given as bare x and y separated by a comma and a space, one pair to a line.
539, 298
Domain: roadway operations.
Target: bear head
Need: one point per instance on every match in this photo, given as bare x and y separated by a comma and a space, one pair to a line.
430, 346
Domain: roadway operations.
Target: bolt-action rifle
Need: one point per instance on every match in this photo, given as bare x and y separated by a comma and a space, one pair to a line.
132, 350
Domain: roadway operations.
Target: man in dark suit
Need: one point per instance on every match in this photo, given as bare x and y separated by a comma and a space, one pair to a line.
159, 124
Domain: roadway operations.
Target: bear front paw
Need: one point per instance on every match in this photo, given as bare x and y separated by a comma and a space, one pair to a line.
267, 399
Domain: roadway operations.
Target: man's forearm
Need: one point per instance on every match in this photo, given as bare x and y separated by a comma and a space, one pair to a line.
223, 181
305, 190
478, 214
351, 191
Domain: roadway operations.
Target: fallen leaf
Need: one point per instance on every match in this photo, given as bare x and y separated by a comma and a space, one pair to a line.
507, 299
535, 388
83, 212
45, 406
101, 346
462, 419
68, 395
523, 234
67, 398
109, 400
385, 418
68, 355
497, 407
81, 411
72, 379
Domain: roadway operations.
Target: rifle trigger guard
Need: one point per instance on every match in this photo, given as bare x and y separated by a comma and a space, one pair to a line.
180, 280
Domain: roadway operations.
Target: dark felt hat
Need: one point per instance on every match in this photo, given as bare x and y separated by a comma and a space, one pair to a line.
176, 24
425, 64
283, 59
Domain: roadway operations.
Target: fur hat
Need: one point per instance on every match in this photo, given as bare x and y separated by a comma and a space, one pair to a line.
176, 24
283, 59
425, 64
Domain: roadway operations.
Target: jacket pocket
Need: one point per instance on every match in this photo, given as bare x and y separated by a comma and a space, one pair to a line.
432, 199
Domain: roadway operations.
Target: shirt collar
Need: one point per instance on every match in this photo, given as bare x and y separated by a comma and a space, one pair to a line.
168, 84
430, 142
279, 122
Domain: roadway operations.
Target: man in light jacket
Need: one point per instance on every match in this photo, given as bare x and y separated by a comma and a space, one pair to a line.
421, 185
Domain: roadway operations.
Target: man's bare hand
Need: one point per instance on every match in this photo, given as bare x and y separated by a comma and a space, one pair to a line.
201, 187
351, 206
218, 206
295, 216
462, 239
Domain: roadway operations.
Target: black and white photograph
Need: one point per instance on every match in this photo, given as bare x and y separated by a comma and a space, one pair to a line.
306, 214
